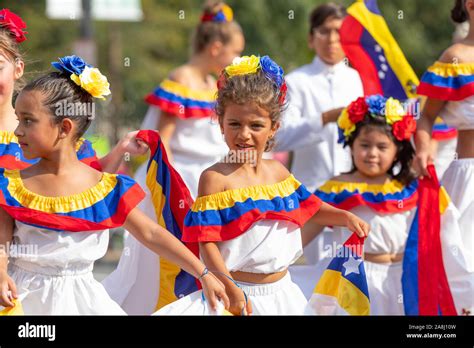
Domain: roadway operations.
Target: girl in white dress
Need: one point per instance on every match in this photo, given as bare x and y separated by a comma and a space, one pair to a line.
182, 110
382, 190
449, 86
248, 215
55, 214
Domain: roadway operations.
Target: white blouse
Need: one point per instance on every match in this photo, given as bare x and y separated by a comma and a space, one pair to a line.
56, 252
268, 246
459, 114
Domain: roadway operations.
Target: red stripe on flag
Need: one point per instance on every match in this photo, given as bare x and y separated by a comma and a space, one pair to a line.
434, 294
351, 32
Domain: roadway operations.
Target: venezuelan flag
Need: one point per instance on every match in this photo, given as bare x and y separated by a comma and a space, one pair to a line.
374, 53
226, 215
388, 198
343, 288
172, 200
103, 206
425, 285
17, 309
181, 101
448, 81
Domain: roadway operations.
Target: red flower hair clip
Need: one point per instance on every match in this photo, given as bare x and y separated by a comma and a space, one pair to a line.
14, 24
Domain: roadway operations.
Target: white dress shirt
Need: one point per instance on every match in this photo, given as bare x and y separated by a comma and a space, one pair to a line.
313, 89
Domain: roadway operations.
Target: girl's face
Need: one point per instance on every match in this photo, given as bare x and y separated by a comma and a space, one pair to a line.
247, 128
37, 134
223, 55
9, 72
373, 152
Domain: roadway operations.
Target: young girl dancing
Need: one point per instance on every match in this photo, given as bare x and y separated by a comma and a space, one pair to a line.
182, 110
12, 65
382, 190
63, 208
249, 210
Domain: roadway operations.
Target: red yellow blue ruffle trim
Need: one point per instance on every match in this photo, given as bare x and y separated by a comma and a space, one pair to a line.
181, 101
226, 215
106, 205
387, 198
448, 81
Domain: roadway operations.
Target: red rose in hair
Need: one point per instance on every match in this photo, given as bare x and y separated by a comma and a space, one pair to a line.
14, 24
357, 110
283, 90
403, 129
221, 82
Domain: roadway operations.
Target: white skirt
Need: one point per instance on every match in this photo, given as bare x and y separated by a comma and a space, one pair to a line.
72, 291
385, 288
459, 183
282, 297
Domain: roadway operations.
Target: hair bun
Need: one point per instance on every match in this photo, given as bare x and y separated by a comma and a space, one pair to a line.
84, 75
458, 12
217, 12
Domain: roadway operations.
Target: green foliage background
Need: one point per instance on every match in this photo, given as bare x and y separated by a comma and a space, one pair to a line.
161, 41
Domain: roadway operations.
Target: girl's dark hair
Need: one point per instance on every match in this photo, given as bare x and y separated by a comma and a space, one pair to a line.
248, 88
207, 32
65, 99
323, 12
458, 12
405, 151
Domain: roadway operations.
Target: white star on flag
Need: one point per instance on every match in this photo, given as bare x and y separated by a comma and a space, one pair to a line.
351, 266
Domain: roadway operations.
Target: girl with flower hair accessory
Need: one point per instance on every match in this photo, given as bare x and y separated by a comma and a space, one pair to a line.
64, 208
12, 32
248, 213
382, 190
449, 86
317, 92
182, 110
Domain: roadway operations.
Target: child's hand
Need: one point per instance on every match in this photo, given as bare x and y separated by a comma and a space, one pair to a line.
133, 146
213, 290
238, 304
357, 225
7, 290
421, 161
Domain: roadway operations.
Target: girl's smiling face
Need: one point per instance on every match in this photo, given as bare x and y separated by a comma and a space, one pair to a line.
373, 152
247, 127
10, 71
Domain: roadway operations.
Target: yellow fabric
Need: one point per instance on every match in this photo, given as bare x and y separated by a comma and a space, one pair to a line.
226, 199
348, 296
15, 310
188, 93
451, 69
7, 137
444, 200
333, 186
64, 204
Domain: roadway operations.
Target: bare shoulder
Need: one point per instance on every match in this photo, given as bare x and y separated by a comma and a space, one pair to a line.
212, 180
182, 74
277, 170
458, 53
